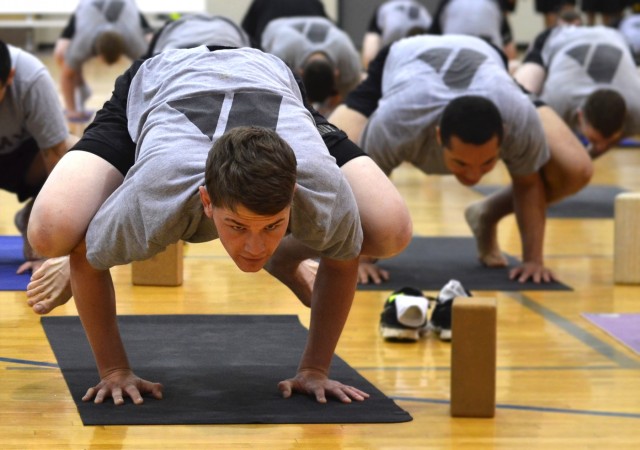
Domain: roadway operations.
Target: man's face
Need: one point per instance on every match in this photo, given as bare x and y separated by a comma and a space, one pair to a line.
599, 144
249, 238
469, 162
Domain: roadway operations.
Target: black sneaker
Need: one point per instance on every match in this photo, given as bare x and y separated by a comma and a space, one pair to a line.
440, 321
404, 317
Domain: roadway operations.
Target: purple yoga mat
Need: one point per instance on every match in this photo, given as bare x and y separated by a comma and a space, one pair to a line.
623, 327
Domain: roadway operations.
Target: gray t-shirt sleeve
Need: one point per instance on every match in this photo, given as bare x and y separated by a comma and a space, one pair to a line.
43, 114
31, 104
132, 224
524, 148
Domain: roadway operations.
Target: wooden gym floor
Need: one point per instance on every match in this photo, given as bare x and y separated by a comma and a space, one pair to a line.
561, 382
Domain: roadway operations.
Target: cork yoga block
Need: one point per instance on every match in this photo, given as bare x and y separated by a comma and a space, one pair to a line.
626, 252
473, 357
163, 269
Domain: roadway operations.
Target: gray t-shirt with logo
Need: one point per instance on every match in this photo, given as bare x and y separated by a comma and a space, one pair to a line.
480, 18
293, 39
93, 17
194, 30
395, 18
580, 60
179, 103
31, 107
421, 76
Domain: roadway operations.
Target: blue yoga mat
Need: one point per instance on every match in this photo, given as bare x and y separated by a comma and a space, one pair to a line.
10, 259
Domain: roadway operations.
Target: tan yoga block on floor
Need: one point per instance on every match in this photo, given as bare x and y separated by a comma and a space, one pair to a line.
626, 249
473, 357
163, 269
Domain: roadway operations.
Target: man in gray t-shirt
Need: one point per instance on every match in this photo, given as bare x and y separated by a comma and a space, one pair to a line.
447, 105
319, 51
104, 28
392, 21
193, 30
33, 133
480, 18
588, 76
197, 145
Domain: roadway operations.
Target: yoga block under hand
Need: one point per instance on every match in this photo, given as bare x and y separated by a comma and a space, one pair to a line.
626, 253
163, 269
473, 357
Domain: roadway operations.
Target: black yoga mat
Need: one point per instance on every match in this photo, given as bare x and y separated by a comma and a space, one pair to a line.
428, 263
592, 202
216, 369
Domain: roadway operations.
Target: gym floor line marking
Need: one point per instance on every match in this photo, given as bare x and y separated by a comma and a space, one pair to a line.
29, 362
574, 330
583, 412
570, 256
505, 368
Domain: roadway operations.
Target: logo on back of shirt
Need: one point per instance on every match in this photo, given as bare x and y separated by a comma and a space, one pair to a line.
460, 72
213, 115
317, 32
604, 62
110, 10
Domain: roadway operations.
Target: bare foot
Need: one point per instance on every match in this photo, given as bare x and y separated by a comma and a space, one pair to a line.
50, 285
486, 236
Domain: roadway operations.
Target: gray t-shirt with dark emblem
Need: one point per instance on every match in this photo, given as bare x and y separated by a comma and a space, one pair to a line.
421, 76
395, 18
194, 30
93, 17
293, 39
580, 60
31, 107
480, 18
179, 103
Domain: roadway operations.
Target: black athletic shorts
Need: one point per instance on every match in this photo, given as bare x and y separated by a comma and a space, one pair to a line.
549, 6
14, 168
603, 6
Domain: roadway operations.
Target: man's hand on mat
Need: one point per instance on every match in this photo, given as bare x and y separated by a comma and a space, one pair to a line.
368, 270
534, 271
123, 382
317, 384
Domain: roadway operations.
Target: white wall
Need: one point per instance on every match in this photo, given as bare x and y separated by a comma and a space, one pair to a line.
525, 22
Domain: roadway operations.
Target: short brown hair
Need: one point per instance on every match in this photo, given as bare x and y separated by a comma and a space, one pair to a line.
252, 167
605, 110
110, 45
